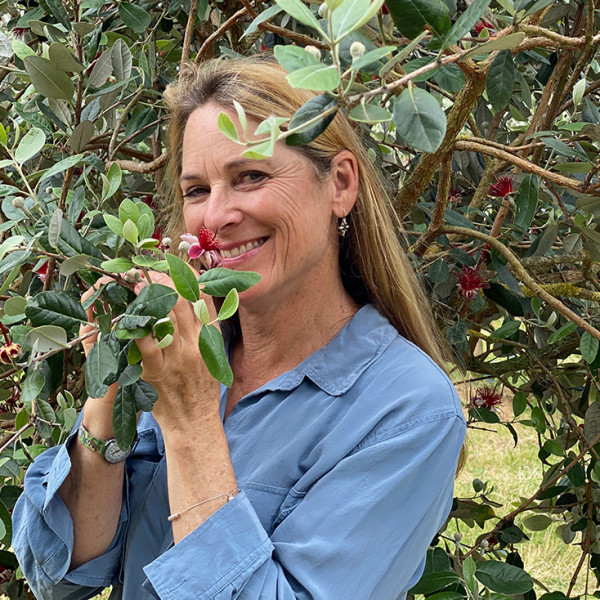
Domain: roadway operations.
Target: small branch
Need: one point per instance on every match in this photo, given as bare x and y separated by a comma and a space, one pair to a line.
138, 167
187, 40
523, 164
15, 437
565, 290
113, 138
520, 271
224, 27
134, 135
439, 210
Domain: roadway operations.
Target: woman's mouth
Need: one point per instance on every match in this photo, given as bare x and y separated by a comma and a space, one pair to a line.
241, 249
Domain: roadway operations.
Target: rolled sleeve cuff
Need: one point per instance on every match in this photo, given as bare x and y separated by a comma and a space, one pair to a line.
231, 541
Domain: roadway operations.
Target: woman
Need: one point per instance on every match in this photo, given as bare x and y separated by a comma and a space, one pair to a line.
327, 467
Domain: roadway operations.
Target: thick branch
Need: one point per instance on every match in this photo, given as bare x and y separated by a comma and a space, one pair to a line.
137, 167
428, 163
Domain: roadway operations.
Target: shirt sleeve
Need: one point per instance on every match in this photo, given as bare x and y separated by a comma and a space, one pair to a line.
43, 534
360, 531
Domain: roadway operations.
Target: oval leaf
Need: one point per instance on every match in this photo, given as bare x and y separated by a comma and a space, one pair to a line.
503, 578
183, 277
213, 353
47, 79
419, 119
31, 143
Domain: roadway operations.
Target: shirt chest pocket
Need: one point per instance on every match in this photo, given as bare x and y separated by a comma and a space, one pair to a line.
267, 501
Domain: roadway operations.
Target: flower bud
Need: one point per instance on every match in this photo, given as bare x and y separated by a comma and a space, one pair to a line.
357, 49
484, 544
323, 10
18, 202
458, 536
314, 51
132, 276
166, 242
10, 353
183, 247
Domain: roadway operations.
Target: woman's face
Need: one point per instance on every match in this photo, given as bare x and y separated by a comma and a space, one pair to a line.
272, 216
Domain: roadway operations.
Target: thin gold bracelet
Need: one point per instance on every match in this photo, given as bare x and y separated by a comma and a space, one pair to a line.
230, 496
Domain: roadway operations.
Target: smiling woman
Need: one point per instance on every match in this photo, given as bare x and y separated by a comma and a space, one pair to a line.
327, 467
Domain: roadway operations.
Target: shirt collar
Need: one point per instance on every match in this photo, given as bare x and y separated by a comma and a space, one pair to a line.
336, 366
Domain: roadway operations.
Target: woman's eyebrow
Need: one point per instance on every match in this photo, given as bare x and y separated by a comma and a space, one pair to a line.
230, 166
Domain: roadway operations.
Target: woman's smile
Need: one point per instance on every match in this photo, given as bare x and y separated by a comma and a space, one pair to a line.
237, 250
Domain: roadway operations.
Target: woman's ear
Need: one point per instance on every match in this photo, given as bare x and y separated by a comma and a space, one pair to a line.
344, 178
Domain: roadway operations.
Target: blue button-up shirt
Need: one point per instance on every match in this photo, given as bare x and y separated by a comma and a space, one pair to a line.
345, 466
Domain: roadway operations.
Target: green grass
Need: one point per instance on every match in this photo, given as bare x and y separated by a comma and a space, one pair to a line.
515, 473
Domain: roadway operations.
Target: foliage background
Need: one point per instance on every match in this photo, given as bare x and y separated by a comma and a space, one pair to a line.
485, 118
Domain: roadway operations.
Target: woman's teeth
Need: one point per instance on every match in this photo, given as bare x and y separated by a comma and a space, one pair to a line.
233, 252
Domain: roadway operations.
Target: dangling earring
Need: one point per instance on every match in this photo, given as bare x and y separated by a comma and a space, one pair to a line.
343, 227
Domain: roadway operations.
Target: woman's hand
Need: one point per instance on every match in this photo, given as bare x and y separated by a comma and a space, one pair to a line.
187, 392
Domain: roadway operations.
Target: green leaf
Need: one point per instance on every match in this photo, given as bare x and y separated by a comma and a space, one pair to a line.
315, 77
219, 281
47, 79
124, 418
591, 422
30, 145
154, 300
133, 354
139, 121
432, 582
301, 13
183, 277
450, 78
370, 113
22, 50
229, 306
507, 329
589, 347
100, 364
537, 522
201, 311
501, 80
162, 328
526, 201
465, 22
144, 395
114, 224
62, 59
503, 43
576, 475
55, 308
352, 15
128, 211
130, 232
292, 58
32, 386
102, 69
538, 419
81, 135
63, 165
308, 111
47, 338
519, 403
503, 578
227, 127
54, 227
265, 15
121, 59
56, 9
83, 28
130, 374
411, 16
15, 306
135, 17
419, 119
213, 353
114, 177
367, 59
469, 568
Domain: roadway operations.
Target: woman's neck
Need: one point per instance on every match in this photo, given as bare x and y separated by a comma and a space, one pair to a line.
275, 341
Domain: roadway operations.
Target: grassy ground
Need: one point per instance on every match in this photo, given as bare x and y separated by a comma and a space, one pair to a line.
515, 473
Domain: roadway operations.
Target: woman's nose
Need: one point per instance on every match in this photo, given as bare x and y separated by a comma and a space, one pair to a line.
221, 210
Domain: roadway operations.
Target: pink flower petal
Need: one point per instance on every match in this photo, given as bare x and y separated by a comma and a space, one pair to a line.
195, 250
189, 238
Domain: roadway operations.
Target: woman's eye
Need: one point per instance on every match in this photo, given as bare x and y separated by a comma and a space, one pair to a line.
196, 192
252, 177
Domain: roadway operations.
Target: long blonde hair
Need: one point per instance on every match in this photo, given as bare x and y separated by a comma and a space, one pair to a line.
373, 263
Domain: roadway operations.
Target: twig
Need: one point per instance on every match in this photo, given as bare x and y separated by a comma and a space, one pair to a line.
113, 138
15, 437
187, 40
224, 27
139, 167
